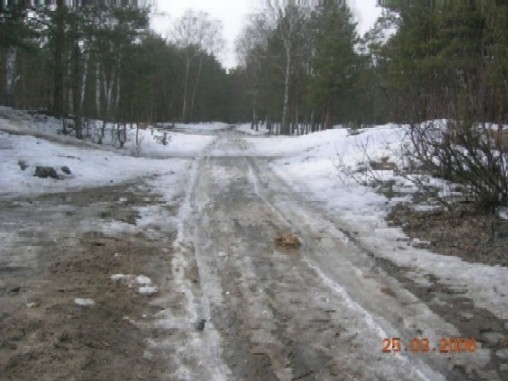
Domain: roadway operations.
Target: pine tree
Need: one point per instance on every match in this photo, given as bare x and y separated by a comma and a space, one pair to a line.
335, 63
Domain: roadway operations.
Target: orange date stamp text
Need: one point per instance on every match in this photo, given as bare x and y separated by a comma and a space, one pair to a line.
423, 345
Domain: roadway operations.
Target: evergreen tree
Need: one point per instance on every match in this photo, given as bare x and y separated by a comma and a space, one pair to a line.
335, 64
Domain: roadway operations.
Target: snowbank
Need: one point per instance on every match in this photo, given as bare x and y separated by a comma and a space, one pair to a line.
328, 167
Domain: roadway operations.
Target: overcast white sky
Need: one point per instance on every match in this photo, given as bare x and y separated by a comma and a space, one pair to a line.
232, 14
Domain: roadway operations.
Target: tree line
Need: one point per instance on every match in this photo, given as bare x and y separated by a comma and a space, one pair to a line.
448, 65
302, 66
99, 59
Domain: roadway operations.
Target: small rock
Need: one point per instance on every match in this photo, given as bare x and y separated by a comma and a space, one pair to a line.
22, 164
503, 367
14, 290
32, 305
66, 170
45, 172
200, 326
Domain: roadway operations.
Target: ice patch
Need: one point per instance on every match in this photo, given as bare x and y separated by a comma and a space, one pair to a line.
131, 281
118, 277
84, 302
148, 290
143, 280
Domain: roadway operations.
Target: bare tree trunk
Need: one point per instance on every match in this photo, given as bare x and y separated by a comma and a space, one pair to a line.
83, 81
76, 91
254, 123
58, 74
103, 132
297, 124
117, 92
287, 78
108, 91
122, 133
98, 89
194, 90
10, 75
186, 90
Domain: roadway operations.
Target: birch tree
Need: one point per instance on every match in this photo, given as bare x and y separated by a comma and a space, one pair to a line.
196, 34
17, 29
251, 49
288, 18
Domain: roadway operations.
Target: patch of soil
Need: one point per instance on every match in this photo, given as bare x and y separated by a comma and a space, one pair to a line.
470, 236
287, 241
44, 334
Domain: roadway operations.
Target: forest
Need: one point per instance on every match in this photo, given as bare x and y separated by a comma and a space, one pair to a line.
302, 66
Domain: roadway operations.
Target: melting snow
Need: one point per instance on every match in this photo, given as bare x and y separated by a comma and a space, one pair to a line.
84, 302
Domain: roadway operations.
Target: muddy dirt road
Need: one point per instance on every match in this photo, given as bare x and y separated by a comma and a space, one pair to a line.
230, 304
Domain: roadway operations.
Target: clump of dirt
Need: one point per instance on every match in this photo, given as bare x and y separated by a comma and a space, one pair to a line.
287, 241
471, 236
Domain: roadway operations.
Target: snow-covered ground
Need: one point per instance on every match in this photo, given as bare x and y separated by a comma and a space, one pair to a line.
28, 141
247, 129
331, 163
89, 167
323, 166
206, 127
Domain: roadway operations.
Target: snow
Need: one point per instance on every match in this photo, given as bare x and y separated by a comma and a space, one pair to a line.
247, 129
143, 280
324, 166
148, 290
145, 284
84, 302
207, 127
179, 144
91, 165
88, 166
118, 277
